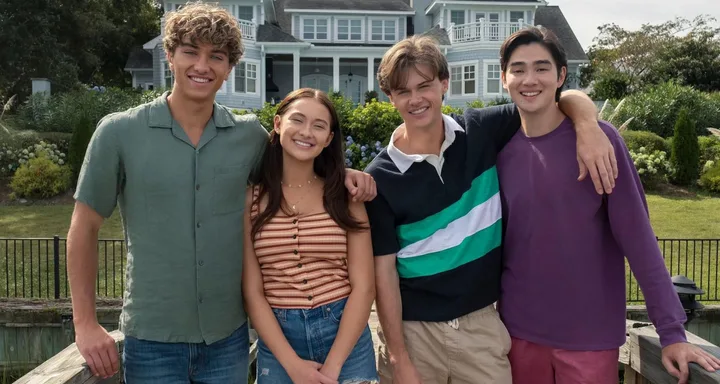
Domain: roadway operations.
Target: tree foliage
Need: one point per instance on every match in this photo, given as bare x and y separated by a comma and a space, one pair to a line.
71, 42
624, 61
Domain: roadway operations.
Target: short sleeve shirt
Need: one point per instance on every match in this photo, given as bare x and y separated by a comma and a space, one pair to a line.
182, 211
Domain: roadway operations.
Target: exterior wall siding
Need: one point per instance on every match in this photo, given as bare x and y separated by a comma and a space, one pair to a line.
421, 21
158, 53
226, 96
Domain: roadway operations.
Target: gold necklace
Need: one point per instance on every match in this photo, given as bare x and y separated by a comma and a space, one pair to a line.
293, 206
299, 185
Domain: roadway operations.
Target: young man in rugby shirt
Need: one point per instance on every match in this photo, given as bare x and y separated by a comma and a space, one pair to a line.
436, 224
563, 281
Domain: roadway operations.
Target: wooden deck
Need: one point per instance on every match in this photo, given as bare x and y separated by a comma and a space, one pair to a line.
640, 357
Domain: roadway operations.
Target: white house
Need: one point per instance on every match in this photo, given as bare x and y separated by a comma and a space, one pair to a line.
337, 45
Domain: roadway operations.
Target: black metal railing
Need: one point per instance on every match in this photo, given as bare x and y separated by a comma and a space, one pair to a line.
696, 259
36, 268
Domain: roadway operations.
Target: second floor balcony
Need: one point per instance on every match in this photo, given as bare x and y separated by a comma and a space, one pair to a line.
491, 32
248, 29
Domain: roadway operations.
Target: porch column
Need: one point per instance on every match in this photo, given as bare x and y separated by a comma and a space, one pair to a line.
336, 73
296, 70
371, 73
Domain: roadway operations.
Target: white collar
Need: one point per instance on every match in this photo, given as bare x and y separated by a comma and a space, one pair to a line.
404, 161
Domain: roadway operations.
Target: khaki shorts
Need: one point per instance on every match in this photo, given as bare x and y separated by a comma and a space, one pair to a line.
470, 350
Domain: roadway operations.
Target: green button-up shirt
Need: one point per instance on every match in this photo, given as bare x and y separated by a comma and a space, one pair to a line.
182, 209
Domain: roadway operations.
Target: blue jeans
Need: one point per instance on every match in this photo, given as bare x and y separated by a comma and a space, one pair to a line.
311, 333
225, 361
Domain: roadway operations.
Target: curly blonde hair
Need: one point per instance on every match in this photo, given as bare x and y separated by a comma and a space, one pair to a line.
204, 23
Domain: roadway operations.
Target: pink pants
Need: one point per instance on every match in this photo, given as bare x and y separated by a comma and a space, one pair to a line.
537, 364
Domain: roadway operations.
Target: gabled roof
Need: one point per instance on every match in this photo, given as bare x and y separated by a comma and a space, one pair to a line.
350, 5
552, 18
139, 59
439, 34
272, 33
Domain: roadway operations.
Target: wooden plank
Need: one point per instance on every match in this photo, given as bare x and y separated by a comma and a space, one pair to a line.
645, 355
67, 367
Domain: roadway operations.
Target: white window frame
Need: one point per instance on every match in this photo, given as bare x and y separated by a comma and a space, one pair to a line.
486, 78
336, 27
462, 65
256, 63
383, 20
458, 10
166, 68
236, 11
146, 86
315, 18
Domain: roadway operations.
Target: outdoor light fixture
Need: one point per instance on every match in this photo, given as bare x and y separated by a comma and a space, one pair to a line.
350, 76
687, 290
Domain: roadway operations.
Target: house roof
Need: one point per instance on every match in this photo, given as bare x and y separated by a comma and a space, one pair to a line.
272, 33
552, 18
350, 5
139, 59
440, 34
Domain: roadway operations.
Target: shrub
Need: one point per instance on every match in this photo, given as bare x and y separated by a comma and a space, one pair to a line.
343, 106
652, 166
656, 109
637, 139
12, 157
359, 155
709, 149
710, 179
40, 177
62, 112
373, 122
685, 155
499, 101
370, 95
448, 110
78, 144
475, 104
266, 115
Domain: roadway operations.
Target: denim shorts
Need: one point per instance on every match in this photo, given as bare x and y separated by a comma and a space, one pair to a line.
222, 362
311, 333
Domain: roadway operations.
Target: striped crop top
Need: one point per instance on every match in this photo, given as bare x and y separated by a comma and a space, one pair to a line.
303, 259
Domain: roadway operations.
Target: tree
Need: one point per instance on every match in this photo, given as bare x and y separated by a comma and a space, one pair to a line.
628, 60
70, 42
685, 155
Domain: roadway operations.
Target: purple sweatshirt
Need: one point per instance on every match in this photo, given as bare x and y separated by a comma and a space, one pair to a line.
563, 282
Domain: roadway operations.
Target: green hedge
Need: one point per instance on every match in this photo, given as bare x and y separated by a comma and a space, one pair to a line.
685, 156
638, 139
657, 109
710, 180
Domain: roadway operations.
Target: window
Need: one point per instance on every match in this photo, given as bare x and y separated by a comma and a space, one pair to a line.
480, 15
349, 29
383, 30
462, 80
245, 77
493, 79
245, 12
167, 75
515, 16
315, 29
457, 17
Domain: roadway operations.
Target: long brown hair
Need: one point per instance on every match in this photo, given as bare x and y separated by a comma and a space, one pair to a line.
330, 165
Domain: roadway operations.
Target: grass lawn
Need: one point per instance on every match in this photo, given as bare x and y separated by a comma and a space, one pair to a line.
674, 215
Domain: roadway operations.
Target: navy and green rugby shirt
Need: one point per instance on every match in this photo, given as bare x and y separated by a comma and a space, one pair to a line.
446, 228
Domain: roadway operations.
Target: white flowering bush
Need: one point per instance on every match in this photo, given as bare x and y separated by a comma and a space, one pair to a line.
12, 158
40, 177
653, 167
359, 155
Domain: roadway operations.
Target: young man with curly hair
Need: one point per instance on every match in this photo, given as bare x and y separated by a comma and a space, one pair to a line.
177, 167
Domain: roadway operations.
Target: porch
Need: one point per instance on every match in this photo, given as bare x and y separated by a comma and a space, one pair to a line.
348, 74
487, 33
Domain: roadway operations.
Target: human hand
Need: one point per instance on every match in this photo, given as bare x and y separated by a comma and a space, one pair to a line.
361, 185
596, 155
684, 353
404, 372
308, 372
98, 349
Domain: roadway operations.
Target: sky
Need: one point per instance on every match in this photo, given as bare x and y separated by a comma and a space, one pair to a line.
585, 16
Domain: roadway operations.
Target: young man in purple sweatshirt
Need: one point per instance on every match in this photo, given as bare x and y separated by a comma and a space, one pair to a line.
563, 284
